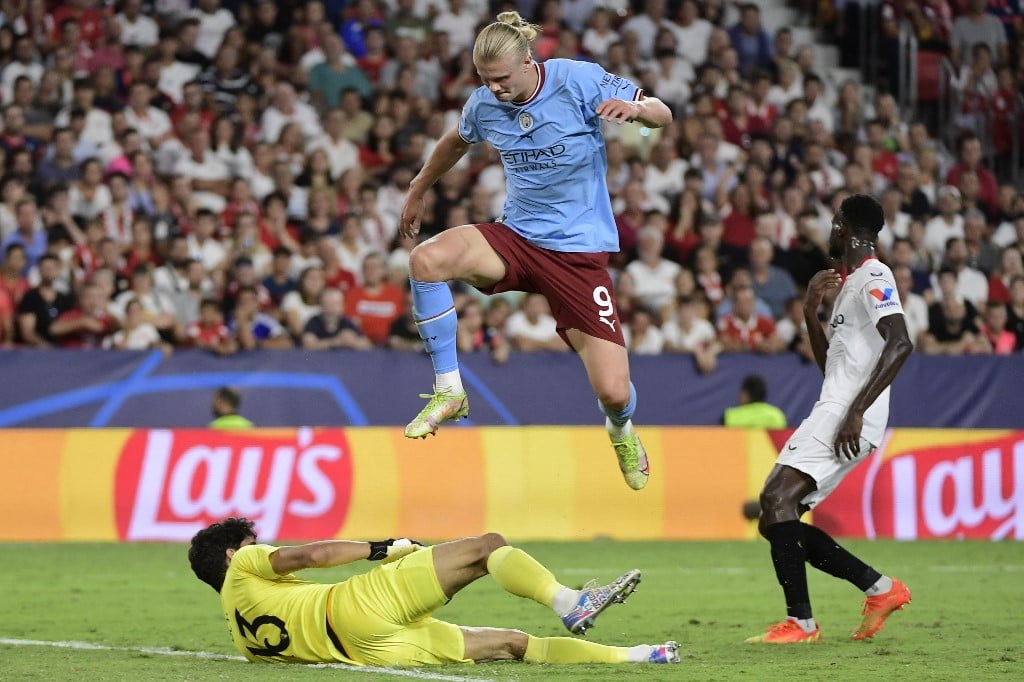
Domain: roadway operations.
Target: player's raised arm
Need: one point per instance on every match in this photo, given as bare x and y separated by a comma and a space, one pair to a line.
450, 148
897, 348
819, 284
650, 111
328, 553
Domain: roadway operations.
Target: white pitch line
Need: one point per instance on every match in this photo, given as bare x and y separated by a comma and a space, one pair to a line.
208, 655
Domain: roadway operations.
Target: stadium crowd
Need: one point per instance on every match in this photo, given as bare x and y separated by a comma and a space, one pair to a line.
228, 175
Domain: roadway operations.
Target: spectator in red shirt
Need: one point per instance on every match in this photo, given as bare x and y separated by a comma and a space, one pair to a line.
883, 161
6, 320
1011, 266
86, 325
335, 276
742, 329
993, 328
970, 153
1004, 110
737, 121
210, 332
375, 304
89, 17
739, 214
12, 281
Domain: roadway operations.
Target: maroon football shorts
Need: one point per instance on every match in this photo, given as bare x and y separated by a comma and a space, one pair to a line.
577, 285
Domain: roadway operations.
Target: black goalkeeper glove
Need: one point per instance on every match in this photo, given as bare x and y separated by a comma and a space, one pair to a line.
392, 549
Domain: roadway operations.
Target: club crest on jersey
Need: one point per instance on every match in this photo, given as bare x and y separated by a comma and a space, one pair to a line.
884, 298
525, 121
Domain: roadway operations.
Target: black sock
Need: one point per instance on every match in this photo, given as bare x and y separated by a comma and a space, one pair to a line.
788, 556
826, 555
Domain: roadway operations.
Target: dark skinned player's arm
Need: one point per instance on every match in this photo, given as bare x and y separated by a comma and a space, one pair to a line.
898, 347
816, 334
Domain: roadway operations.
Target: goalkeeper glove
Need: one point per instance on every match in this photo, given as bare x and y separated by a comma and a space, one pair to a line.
392, 549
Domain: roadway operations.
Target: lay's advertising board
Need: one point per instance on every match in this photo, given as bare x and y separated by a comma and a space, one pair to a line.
526, 482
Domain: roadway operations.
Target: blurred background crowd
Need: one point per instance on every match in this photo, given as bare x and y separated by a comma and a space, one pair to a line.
228, 175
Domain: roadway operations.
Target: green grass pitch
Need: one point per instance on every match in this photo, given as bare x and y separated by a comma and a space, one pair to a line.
965, 622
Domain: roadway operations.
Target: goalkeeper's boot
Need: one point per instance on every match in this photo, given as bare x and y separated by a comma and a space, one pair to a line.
787, 632
632, 457
596, 598
877, 609
665, 653
442, 406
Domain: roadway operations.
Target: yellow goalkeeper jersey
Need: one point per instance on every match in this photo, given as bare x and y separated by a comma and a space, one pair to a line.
277, 618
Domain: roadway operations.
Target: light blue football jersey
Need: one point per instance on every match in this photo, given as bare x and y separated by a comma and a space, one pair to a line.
554, 155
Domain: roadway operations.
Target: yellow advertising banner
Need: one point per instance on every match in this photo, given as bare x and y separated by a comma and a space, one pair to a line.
525, 482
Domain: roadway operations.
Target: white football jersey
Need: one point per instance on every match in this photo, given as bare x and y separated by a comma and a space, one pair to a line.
868, 295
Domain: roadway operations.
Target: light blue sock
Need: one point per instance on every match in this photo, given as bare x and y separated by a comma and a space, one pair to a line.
434, 312
620, 417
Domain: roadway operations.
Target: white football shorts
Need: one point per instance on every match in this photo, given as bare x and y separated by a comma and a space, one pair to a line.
810, 450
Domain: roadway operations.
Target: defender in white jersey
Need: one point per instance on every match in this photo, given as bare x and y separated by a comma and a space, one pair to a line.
868, 345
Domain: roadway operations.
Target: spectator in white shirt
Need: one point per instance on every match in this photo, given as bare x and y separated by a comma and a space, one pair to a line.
287, 108
949, 223
459, 22
152, 123
24, 64
971, 284
790, 85
214, 22
341, 153
897, 223
97, 128
599, 35
817, 108
915, 308
202, 245
654, 277
645, 26
135, 333
172, 72
664, 173
88, 197
690, 333
136, 27
208, 174
642, 335
532, 328
693, 33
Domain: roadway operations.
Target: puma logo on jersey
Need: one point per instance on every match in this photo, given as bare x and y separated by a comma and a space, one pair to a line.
607, 321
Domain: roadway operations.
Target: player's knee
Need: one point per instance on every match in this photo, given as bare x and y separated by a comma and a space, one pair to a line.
613, 393
515, 644
489, 542
427, 262
774, 500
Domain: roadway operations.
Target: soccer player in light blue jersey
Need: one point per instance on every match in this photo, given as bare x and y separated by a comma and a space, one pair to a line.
557, 230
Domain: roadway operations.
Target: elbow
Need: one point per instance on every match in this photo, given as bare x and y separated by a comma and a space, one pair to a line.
902, 348
906, 347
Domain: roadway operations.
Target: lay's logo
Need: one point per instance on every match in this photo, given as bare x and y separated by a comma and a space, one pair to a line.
882, 295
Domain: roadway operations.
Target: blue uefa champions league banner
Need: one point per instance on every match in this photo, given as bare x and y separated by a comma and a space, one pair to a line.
352, 388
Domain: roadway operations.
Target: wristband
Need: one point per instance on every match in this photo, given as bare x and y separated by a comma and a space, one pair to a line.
379, 549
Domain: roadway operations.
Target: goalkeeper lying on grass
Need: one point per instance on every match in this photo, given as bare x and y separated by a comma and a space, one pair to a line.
383, 617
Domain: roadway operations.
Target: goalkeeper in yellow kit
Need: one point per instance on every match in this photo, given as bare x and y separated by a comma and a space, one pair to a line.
383, 617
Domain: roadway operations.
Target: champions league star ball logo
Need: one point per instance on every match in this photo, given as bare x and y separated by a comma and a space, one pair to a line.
525, 121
